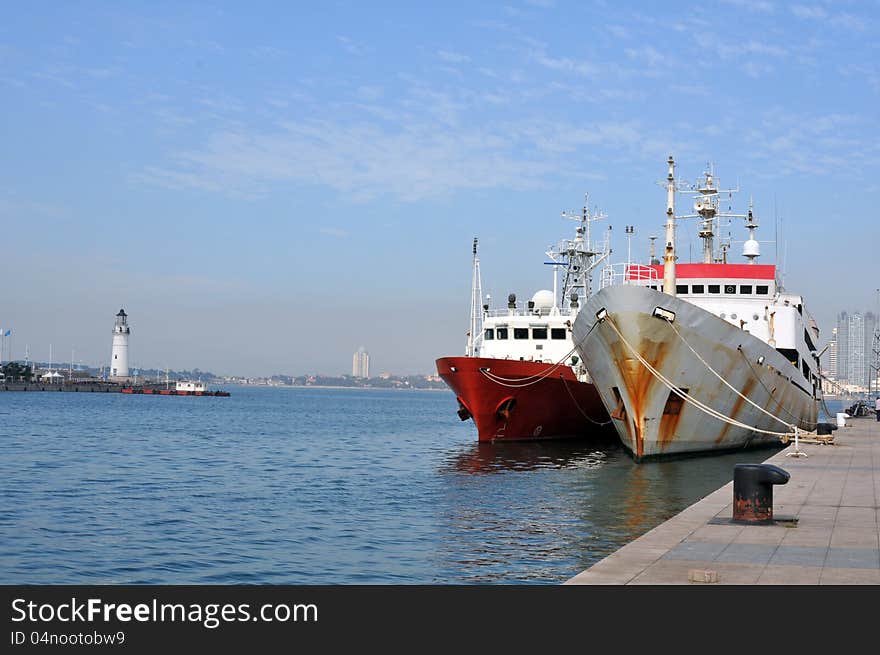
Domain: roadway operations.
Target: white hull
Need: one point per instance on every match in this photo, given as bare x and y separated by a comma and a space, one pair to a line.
649, 418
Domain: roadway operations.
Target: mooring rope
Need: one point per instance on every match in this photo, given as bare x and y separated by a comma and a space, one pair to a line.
726, 383
518, 383
577, 405
770, 393
687, 397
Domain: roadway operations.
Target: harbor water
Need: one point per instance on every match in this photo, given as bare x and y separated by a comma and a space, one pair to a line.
312, 486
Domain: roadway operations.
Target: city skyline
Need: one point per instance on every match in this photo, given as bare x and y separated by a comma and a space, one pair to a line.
265, 187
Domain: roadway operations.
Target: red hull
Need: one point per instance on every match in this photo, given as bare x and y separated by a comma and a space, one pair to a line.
554, 407
173, 392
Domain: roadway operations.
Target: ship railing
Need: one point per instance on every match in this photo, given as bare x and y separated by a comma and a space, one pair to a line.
628, 273
522, 311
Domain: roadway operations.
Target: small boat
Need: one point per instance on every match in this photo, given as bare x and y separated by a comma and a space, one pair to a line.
181, 388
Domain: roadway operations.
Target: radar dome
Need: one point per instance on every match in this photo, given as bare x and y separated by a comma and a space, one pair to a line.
543, 300
751, 248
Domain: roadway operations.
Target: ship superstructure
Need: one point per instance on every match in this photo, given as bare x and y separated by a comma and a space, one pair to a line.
701, 356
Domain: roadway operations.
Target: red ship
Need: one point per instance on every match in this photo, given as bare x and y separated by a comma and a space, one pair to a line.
520, 378
514, 400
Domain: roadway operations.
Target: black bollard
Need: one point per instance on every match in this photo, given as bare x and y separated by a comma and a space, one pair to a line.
753, 491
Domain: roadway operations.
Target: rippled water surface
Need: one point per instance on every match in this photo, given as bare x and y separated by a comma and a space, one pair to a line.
311, 486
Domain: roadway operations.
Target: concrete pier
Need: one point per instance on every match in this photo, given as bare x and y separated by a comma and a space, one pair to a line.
825, 528
87, 387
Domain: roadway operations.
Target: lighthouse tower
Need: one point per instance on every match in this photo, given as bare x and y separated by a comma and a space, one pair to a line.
119, 354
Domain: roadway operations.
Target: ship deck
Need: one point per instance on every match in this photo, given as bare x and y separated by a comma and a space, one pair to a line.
834, 495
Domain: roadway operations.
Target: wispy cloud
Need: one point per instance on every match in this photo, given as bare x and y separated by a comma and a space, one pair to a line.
565, 64
800, 142
649, 55
352, 47
842, 20
333, 232
407, 162
452, 57
814, 12
762, 6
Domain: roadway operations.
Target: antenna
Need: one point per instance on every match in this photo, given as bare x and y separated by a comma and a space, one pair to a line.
706, 208
669, 254
775, 233
652, 258
580, 255
784, 262
630, 230
475, 332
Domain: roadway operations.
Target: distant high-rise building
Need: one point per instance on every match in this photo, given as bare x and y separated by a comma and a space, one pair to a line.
360, 363
830, 369
842, 347
855, 336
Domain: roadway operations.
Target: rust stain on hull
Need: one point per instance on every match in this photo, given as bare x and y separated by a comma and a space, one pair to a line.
638, 382
668, 426
737, 407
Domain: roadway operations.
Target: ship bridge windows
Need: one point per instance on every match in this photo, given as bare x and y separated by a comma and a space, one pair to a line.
745, 289
681, 289
539, 333
501, 333
489, 334
762, 290
557, 333
520, 333
698, 288
730, 288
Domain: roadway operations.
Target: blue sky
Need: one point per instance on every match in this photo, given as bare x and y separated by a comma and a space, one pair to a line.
267, 186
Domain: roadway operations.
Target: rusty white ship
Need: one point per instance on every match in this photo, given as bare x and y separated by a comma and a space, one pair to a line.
520, 378
701, 357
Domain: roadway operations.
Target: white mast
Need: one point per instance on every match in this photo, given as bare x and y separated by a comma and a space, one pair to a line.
475, 333
669, 254
751, 248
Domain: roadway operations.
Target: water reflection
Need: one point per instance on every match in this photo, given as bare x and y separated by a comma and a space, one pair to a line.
528, 456
567, 506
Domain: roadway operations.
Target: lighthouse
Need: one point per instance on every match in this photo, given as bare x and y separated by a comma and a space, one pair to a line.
119, 354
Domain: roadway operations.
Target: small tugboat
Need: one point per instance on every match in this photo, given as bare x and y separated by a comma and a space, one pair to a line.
181, 388
520, 378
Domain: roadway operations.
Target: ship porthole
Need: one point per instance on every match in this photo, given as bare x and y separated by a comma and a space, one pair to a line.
537, 431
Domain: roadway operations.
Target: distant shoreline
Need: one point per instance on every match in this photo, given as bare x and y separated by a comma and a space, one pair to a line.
321, 386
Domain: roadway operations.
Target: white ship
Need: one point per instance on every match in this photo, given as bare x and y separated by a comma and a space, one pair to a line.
710, 356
